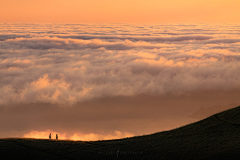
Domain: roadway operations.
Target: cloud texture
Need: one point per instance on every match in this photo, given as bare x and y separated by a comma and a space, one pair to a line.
70, 64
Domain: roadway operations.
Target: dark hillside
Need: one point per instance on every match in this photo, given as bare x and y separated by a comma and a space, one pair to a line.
216, 137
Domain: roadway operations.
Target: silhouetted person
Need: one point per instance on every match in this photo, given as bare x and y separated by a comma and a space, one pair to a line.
50, 136
117, 153
56, 136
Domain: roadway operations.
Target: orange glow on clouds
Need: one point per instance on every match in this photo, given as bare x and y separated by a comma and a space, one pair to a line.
157, 11
77, 136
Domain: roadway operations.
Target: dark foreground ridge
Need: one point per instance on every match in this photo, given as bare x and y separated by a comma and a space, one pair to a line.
216, 137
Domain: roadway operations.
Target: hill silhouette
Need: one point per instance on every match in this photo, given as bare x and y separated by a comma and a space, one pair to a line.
216, 137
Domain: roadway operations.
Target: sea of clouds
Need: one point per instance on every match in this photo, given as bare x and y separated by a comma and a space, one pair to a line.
70, 63
105, 81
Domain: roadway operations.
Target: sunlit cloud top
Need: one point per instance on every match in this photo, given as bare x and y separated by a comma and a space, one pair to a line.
65, 64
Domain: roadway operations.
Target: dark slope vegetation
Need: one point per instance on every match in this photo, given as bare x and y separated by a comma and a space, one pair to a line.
216, 137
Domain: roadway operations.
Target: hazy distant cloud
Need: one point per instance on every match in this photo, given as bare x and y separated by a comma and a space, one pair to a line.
68, 44
101, 118
205, 112
9, 36
219, 41
143, 38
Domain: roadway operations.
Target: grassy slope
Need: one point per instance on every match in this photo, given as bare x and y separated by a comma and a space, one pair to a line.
216, 137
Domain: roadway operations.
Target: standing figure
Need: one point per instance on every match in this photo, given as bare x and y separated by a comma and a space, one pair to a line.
50, 136
56, 136
117, 153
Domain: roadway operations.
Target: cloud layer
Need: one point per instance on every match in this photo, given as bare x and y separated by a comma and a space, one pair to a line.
73, 65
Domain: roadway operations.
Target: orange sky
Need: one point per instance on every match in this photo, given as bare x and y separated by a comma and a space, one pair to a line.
114, 11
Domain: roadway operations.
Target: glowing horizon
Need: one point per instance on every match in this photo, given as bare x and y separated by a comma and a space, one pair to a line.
77, 136
124, 11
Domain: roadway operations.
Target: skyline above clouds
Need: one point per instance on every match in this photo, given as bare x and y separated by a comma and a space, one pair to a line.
91, 80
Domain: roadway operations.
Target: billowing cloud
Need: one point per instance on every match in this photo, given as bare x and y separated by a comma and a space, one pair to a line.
69, 44
11, 36
73, 65
143, 38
